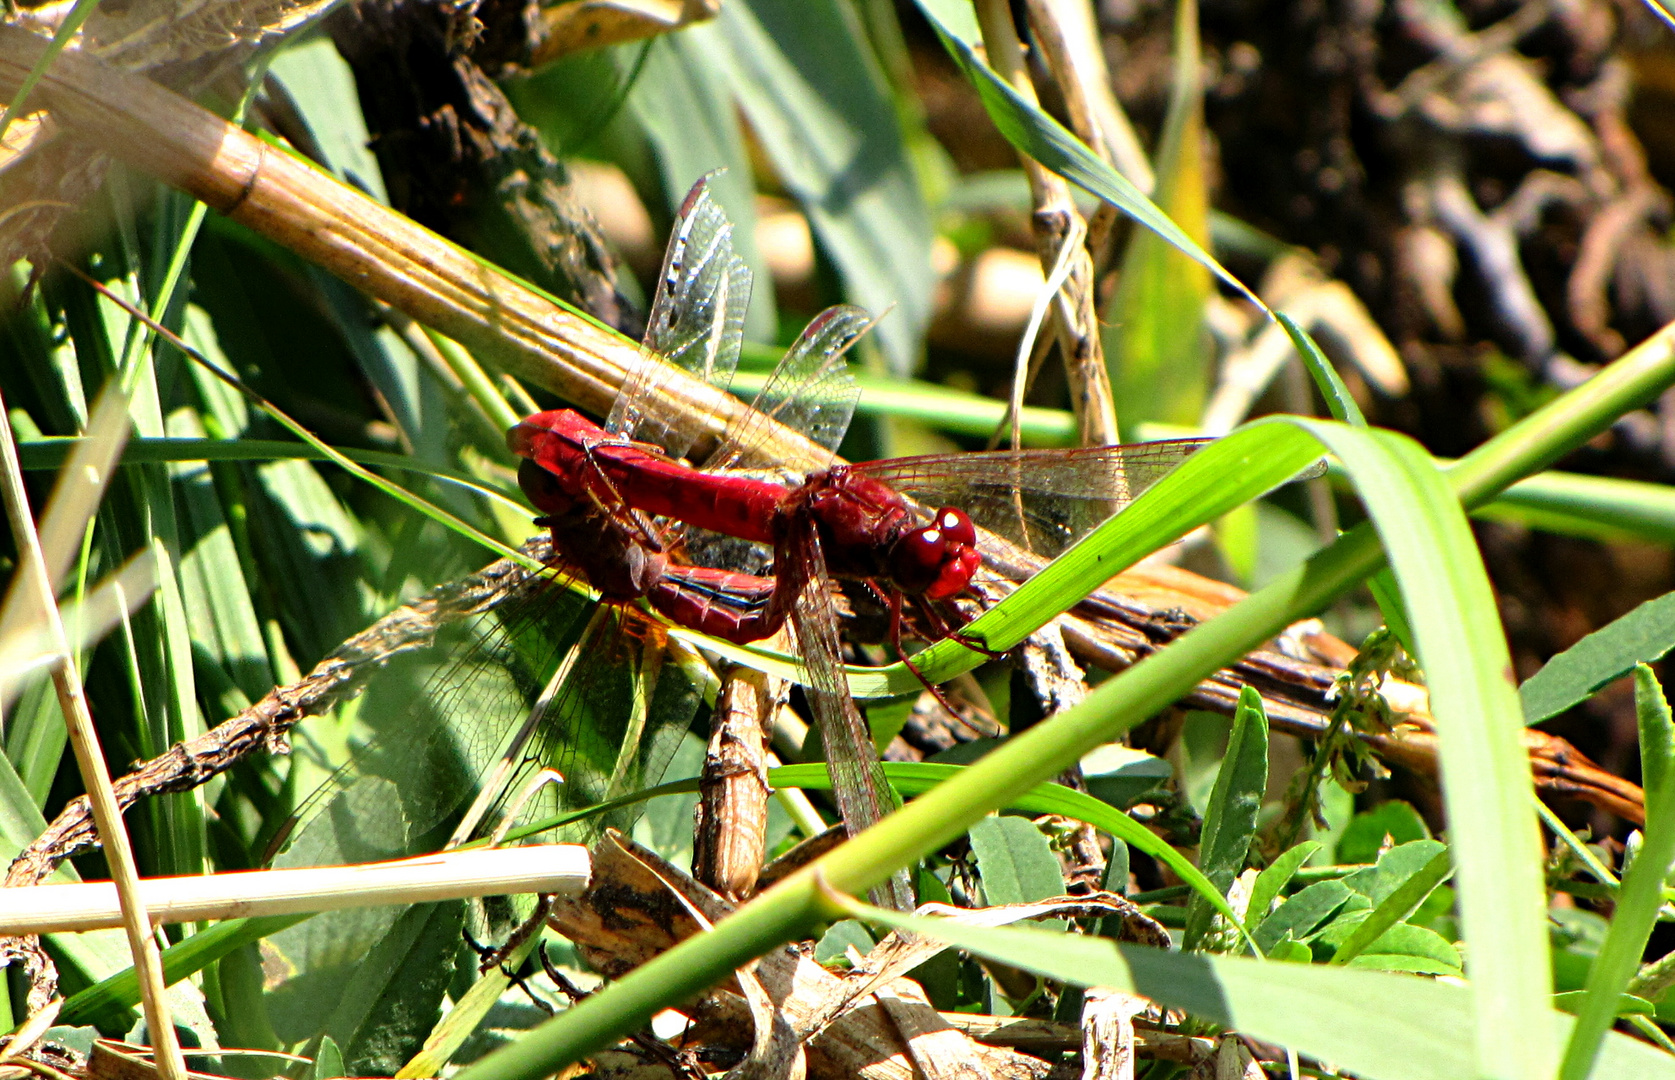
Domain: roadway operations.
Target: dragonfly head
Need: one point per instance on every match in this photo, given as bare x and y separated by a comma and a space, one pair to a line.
543, 489
938, 559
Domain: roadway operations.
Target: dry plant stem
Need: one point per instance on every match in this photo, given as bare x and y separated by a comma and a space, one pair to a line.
1076, 320
730, 827
373, 248
1075, 33
1069, 77
1108, 1033
90, 759
561, 869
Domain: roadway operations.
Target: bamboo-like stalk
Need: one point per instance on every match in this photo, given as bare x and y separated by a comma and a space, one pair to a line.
561, 869
493, 314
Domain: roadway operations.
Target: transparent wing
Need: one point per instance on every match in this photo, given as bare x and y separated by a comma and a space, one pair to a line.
809, 391
1043, 500
696, 324
442, 734
863, 793
433, 722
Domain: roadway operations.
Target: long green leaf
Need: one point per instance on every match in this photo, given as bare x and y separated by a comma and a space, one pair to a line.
1156, 344
1230, 821
1339, 402
323, 87
1642, 636
821, 108
1486, 772
1211, 482
1399, 1028
1274, 878
1639, 899
918, 778
685, 102
1035, 133
122, 990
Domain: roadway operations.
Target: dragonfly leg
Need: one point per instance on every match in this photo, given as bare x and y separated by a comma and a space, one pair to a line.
942, 626
895, 642
489, 959
971, 642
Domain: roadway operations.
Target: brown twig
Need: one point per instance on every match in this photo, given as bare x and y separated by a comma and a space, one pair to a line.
1057, 221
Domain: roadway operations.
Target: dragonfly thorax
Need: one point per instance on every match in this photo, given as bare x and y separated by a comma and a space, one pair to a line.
867, 531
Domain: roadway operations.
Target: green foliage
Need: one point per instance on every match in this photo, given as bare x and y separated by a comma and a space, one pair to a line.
1014, 861
1642, 636
1157, 345
1230, 822
271, 554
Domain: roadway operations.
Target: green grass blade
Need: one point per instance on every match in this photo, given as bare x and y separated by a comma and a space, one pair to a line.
685, 103
917, 778
822, 110
66, 31
323, 87
122, 990
1486, 770
1225, 474
1230, 821
1639, 899
1597, 507
1643, 636
1035, 133
1402, 1027
1156, 344
1657, 735
1339, 402
1396, 906
1271, 882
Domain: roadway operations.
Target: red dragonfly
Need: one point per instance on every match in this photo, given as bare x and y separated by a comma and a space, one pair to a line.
848, 521
614, 541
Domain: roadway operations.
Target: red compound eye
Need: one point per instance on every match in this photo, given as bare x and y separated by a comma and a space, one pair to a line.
938, 560
916, 559
956, 526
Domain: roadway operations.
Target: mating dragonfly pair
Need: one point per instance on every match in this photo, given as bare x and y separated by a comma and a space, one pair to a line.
605, 490
616, 497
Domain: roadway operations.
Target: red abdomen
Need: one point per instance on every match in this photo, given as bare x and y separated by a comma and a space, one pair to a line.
734, 607
585, 460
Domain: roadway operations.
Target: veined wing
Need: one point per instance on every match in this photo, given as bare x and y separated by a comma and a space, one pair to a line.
859, 786
439, 720
809, 391
1043, 500
441, 726
696, 324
